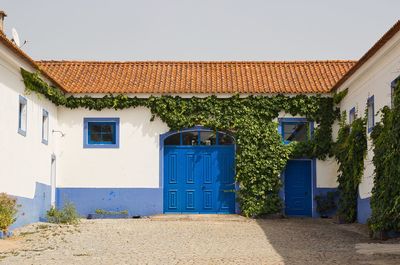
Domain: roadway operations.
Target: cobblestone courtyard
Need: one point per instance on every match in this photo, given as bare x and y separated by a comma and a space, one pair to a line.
230, 240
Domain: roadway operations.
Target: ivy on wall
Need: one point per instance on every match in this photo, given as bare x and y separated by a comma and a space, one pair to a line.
261, 154
350, 151
385, 199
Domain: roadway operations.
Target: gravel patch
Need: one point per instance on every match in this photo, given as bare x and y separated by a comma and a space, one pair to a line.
206, 240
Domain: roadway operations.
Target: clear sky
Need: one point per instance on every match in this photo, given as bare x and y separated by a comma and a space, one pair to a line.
129, 30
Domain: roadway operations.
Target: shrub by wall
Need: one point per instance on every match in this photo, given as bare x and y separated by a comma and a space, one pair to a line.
8, 211
350, 151
385, 199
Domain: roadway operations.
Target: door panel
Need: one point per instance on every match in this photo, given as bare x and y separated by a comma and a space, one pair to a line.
199, 179
298, 199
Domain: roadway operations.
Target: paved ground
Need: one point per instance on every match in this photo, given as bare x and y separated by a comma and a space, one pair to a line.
188, 240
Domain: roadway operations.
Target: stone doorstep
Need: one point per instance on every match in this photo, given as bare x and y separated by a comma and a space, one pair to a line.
199, 217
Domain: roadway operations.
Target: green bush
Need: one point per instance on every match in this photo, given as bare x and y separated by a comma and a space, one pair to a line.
101, 211
385, 199
8, 211
67, 215
350, 151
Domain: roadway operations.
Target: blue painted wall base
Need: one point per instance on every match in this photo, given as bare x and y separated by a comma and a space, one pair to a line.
363, 209
324, 191
138, 201
33, 210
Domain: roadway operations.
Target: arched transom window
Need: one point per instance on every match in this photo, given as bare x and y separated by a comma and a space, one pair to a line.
198, 137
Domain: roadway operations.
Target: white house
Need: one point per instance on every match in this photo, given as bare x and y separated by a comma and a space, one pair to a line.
120, 160
370, 83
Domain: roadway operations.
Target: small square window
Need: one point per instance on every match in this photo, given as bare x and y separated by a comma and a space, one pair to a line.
352, 115
101, 133
371, 113
45, 127
22, 116
295, 131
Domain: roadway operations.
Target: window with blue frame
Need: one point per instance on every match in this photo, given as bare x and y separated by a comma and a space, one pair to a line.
370, 113
22, 115
101, 133
45, 127
295, 130
352, 115
393, 86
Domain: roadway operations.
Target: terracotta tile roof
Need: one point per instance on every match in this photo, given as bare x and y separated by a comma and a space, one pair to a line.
371, 52
20, 53
196, 77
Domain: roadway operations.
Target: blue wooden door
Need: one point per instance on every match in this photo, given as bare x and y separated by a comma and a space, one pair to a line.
298, 188
199, 179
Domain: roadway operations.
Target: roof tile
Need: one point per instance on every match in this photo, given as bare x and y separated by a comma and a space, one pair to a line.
196, 77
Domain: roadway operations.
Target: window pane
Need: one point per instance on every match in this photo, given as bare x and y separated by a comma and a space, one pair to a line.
189, 138
108, 138
295, 132
95, 138
174, 139
225, 139
208, 138
352, 116
392, 96
106, 128
102, 132
22, 116
370, 113
94, 128
45, 127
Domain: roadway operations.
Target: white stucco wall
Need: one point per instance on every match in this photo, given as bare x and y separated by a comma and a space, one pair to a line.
135, 164
24, 160
373, 78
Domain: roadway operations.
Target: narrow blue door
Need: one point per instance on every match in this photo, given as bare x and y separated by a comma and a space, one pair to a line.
199, 179
298, 188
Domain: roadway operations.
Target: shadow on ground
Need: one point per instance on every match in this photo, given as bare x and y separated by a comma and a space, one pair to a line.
321, 241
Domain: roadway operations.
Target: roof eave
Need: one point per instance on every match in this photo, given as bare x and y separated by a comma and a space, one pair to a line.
21, 54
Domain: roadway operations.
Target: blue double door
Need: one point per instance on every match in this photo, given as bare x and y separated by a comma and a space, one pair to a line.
298, 192
199, 179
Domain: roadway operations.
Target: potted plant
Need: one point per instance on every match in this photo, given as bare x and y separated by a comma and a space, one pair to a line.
326, 204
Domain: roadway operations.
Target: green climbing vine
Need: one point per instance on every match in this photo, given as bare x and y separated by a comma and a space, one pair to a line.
350, 151
385, 199
261, 154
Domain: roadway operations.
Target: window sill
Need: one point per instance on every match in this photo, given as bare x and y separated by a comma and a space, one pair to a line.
21, 132
105, 146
